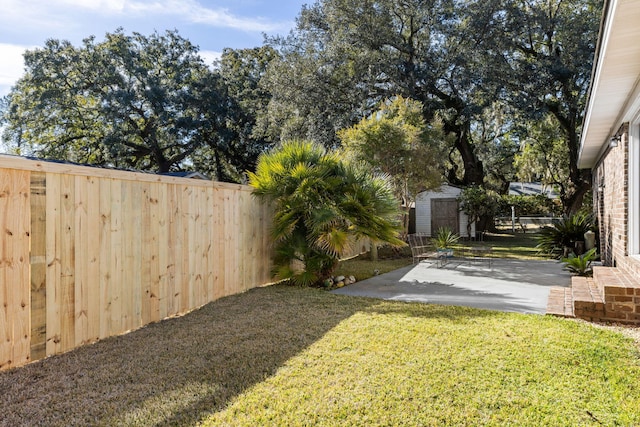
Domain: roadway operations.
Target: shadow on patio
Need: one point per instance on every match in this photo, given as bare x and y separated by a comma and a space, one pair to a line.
508, 285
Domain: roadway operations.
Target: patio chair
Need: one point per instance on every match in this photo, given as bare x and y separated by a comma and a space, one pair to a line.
421, 249
479, 253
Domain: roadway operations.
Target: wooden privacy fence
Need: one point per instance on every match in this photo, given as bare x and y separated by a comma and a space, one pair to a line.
88, 253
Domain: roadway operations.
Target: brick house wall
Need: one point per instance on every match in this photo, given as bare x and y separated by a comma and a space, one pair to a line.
613, 110
611, 205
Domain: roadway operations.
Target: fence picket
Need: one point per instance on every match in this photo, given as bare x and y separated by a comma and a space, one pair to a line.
92, 253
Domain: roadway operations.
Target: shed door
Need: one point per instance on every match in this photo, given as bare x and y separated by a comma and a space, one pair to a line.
444, 213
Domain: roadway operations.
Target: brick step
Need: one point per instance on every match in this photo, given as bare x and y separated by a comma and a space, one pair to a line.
560, 302
610, 296
588, 301
621, 294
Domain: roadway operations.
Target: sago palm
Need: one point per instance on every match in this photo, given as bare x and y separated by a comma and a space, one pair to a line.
322, 206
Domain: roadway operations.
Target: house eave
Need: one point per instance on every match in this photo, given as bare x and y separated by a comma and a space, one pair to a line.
615, 85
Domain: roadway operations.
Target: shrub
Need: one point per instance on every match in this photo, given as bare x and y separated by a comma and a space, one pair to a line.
445, 238
535, 204
477, 203
580, 265
322, 205
564, 233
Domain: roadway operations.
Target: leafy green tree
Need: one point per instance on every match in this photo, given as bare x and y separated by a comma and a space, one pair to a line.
457, 58
496, 146
478, 204
234, 136
546, 53
544, 157
362, 53
322, 205
142, 102
126, 101
395, 140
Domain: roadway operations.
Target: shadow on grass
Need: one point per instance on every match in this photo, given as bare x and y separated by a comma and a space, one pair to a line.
177, 371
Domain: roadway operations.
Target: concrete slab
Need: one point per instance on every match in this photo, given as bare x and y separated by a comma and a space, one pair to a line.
508, 285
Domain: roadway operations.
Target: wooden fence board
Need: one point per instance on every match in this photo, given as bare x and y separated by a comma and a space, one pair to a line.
230, 239
132, 277
67, 279
54, 304
20, 234
116, 260
192, 223
98, 255
81, 264
150, 279
94, 230
15, 304
38, 265
218, 243
126, 248
105, 245
136, 271
209, 239
173, 246
243, 245
6, 333
182, 254
163, 212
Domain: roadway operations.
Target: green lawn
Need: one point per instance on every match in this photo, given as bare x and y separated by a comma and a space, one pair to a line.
289, 356
503, 245
392, 363
510, 245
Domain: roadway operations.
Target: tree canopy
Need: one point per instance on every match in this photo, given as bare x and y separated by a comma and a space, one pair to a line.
135, 101
396, 141
495, 74
458, 58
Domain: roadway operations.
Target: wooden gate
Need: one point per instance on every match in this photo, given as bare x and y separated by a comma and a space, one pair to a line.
444, 213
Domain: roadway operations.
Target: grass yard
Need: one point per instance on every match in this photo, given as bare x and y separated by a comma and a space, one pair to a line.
362, 268
510, 245
287, 356
503, 245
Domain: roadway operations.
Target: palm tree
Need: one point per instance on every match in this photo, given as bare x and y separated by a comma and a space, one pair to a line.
322, 206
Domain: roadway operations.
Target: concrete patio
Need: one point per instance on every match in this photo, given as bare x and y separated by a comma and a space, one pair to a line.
506, 285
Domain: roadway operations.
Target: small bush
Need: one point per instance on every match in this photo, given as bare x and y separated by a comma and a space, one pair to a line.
580, 265
445, 238
564, 233
528, 205
322, 204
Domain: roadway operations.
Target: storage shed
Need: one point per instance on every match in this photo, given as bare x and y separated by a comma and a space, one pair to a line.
440, 208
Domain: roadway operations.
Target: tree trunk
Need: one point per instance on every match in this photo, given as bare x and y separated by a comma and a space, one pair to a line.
374, 252
572, 202
461, 128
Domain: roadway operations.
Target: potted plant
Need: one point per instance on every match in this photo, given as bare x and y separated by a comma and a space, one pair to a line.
444, 241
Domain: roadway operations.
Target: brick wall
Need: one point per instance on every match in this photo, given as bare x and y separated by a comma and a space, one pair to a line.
611, 202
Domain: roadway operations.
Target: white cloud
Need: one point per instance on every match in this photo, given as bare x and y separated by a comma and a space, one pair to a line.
193, 11
209, 56
37, 15
39, 12
111, 6
11, 64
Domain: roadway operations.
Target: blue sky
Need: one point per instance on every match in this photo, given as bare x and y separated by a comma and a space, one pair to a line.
210, 24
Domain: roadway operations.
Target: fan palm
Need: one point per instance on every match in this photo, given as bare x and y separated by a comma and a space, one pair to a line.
322, 206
